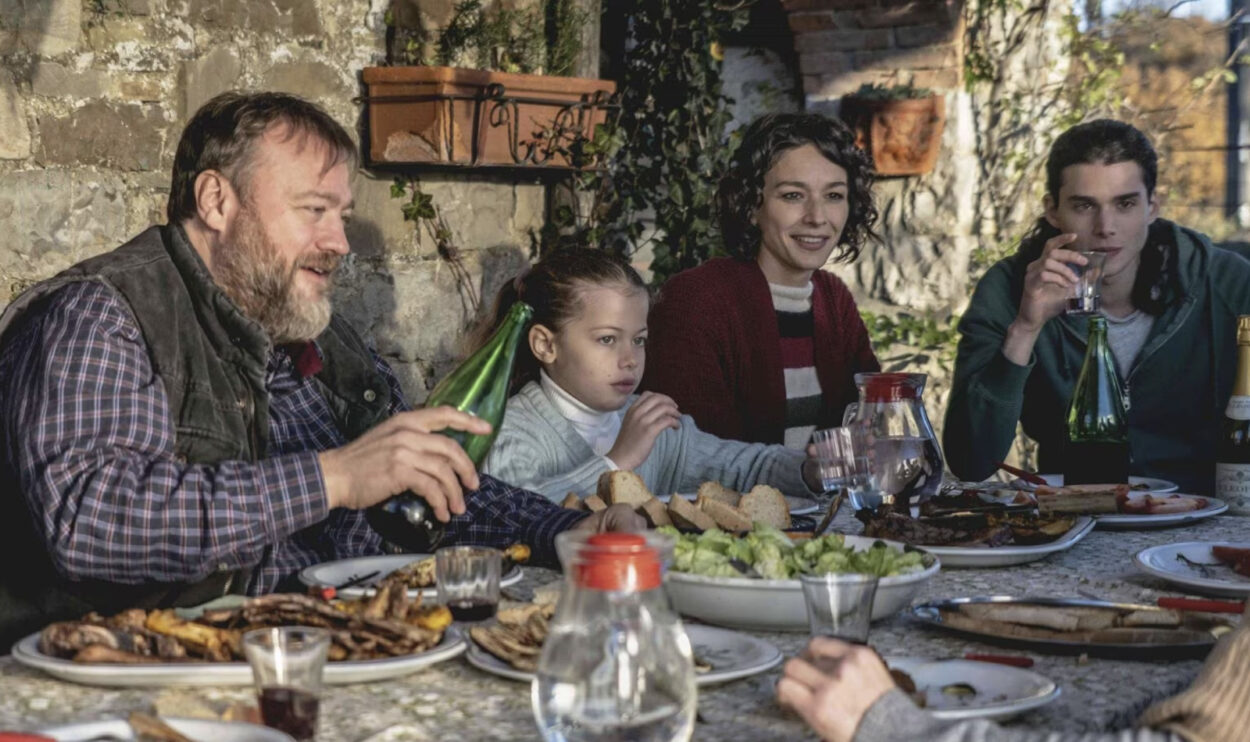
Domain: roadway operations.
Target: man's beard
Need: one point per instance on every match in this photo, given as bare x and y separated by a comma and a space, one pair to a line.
250, 271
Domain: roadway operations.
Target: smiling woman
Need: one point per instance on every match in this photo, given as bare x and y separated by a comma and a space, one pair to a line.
764, 346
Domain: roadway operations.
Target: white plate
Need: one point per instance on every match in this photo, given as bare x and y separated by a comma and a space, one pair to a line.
777, 605
198, 729
1150, 484
1214, 506
343, 570
1004, 556
797, 505
1164, 562
1002, 691
117, 675
731, 654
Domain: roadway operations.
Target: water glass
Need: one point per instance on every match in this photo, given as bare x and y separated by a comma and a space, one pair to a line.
839, 605
1085, 298
844, 457
468, 581
287, 664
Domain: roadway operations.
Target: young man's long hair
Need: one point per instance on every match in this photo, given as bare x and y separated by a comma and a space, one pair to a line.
1107, 142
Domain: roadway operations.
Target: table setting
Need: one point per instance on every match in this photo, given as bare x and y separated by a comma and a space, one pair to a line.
1016, 599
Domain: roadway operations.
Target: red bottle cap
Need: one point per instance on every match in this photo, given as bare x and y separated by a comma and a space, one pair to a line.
618, 561
889, 388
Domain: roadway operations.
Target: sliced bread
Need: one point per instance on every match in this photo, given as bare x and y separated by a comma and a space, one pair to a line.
594, 503
686, 515
767, 505
573, 502
623, 487
728, 518
719, 492
655, 512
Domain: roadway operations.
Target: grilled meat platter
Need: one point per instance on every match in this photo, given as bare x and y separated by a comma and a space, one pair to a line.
386, 624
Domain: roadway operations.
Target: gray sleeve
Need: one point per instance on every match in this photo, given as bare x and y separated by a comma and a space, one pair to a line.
514, 458
895, 717
698, 457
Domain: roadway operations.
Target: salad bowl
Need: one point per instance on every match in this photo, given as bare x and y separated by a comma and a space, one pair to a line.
760, 604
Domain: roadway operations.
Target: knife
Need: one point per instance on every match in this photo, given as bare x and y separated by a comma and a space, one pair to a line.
833, 510
1000, 659
1024, 474
1205, 606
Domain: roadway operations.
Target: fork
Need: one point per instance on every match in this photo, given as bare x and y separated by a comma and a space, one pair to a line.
355, 580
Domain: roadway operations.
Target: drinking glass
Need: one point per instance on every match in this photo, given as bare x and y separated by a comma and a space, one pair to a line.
839, 605
287, 664
468, 581
845, 458
1085, 298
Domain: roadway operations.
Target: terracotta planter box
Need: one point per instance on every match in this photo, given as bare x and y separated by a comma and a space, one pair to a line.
904, 136
453, 116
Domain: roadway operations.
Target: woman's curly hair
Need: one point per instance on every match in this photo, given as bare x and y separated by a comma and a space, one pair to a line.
740, 192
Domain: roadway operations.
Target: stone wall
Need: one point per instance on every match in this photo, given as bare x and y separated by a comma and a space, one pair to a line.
926, 221
94, 94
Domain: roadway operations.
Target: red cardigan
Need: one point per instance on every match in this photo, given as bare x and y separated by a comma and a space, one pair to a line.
714, 347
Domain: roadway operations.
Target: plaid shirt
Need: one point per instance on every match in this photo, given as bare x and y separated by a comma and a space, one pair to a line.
91, 439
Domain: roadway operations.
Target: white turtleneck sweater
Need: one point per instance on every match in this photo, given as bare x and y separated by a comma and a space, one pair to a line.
598, 429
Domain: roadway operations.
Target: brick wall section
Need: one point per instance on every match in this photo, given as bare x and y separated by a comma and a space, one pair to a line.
843, 44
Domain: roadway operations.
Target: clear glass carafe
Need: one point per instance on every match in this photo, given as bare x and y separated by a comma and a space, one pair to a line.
906, 459
617, 663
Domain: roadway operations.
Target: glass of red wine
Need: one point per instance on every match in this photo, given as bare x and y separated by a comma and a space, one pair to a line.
468, 581
839, 605
287, 664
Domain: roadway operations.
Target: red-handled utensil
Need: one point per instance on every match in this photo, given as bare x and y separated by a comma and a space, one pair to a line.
1206, 606
1024, 474
1001, 659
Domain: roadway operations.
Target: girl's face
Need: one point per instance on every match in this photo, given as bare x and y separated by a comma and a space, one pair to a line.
801, 218
599, 355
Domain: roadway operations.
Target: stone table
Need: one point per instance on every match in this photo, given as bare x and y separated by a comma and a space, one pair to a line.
453, 700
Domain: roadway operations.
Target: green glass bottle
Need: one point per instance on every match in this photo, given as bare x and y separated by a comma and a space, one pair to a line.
478, 386
1097, 440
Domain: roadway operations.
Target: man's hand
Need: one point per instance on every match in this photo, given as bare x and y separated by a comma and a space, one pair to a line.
404, 453
1048, 282
832, 685
615, 518
643, 423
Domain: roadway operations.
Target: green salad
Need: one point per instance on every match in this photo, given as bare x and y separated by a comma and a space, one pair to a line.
773, 556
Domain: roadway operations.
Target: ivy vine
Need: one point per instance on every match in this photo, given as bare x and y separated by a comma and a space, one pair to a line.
672, 130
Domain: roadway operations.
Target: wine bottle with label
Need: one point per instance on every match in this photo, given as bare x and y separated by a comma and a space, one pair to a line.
1097, 440
1232, 468
478, 386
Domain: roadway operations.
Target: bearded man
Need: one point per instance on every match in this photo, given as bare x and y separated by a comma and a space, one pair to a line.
184, 416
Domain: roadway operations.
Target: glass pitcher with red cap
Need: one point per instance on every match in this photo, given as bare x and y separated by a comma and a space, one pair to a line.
906, 461
617, 663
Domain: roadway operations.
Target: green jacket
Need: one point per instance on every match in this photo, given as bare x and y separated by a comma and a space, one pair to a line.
1177, 388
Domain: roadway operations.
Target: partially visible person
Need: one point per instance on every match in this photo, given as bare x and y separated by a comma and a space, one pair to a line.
845, 693
185, 416
764, 345
1171, 301
575, 416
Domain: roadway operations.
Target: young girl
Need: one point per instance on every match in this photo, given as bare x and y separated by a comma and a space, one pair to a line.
574, 415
